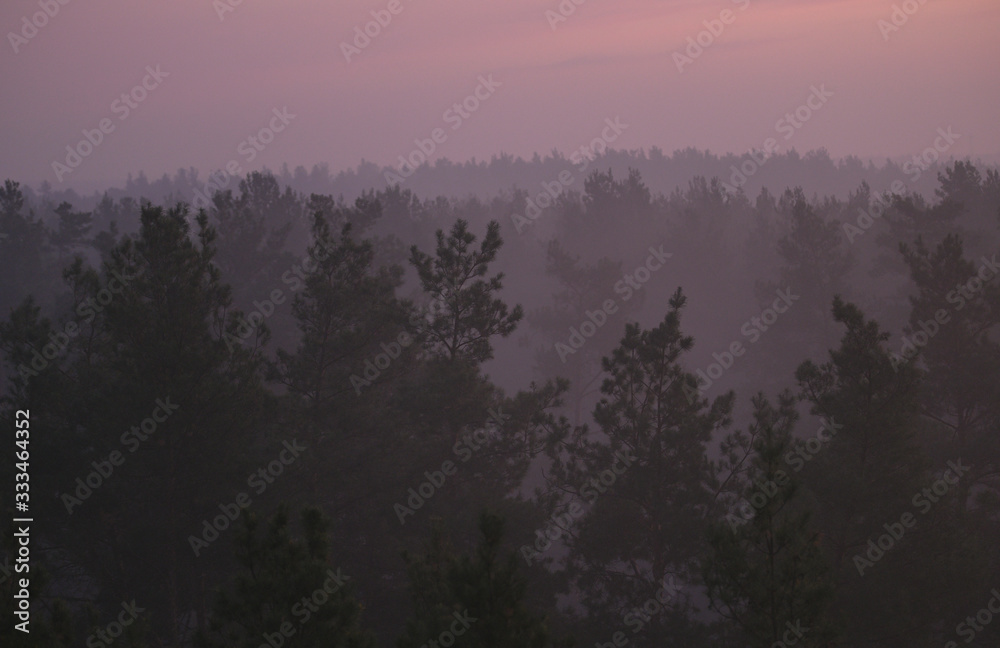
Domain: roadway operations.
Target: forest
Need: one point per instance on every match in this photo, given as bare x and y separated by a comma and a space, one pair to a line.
621, 399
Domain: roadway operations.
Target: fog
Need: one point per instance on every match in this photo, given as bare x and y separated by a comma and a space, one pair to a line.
526, 324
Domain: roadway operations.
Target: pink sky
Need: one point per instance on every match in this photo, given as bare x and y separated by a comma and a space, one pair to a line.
608, 58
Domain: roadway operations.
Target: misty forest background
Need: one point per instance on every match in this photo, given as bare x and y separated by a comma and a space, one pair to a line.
820, 422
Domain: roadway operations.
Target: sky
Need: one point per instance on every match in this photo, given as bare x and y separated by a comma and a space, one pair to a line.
871, 78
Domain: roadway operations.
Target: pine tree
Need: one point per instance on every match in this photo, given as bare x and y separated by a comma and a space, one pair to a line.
253, 228
951, 334
951, 327
24, 248
471, 313
356, 345
143, 392
72, 230
815, 266
344, 308
648, 487
863, 480
287, 592
579, 285
479, 599
765, 571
